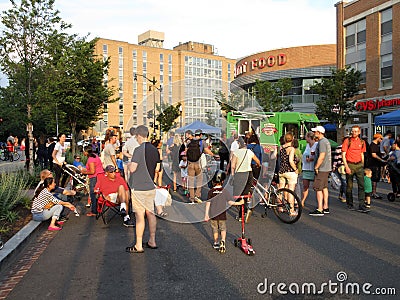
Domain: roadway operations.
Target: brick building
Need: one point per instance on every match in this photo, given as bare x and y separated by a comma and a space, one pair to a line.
304, 65
368, 39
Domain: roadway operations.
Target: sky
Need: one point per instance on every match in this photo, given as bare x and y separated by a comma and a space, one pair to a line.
236, 28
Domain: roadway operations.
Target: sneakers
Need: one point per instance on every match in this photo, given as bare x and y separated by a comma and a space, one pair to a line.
222, 248
63, 219
197, 200
316, 213
55, 228
363, 209
238, 218
350, 207
367, 205
123, 212
342, 199
376, 196
326, 211
216, 246
129, 223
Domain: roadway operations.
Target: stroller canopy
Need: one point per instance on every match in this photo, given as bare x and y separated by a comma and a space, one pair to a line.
389, 119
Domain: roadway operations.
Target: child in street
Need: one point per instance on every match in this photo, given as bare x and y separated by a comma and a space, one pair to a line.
367, 187
77, 161
216, 208
184, 173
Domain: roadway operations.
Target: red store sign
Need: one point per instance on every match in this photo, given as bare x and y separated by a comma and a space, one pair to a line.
369, 105
261, 63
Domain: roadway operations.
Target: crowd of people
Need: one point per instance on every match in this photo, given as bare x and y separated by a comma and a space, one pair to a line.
129, 174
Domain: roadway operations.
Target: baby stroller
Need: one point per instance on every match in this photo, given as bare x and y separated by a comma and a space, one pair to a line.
78, 180
394, 173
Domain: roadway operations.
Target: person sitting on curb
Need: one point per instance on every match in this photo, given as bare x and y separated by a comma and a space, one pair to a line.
46, 206
114, 189
58, 192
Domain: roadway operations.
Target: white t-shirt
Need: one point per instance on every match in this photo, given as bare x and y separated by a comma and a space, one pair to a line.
234, 146
60, 155
109, 150
183, 165
244, 158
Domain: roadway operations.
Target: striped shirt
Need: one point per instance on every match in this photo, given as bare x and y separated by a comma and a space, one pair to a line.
42, 199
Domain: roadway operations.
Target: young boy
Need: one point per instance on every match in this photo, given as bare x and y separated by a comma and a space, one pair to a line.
367, 187
184, 173
216, 208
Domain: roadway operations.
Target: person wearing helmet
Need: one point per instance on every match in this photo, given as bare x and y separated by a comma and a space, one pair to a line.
216, 209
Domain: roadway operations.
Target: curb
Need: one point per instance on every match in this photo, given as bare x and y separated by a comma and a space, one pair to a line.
15, 245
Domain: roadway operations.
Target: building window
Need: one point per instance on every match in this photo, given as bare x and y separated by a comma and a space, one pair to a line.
386, 25
386, 71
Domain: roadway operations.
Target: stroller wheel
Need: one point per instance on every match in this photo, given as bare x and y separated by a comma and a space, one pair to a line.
391, 197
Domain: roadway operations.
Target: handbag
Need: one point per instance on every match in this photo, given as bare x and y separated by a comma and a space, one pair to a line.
49, 205
335, 181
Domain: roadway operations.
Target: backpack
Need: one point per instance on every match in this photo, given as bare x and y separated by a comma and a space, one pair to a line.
193, 151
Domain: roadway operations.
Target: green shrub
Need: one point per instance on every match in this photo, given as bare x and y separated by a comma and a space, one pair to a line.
13, 189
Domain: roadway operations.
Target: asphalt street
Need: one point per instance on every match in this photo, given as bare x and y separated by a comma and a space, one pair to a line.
336, 253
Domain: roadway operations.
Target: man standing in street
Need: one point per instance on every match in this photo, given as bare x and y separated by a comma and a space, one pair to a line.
145, 161
127, 150
353, 149
322, 167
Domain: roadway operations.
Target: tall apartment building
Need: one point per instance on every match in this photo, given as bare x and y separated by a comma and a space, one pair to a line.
148, 76
368, 39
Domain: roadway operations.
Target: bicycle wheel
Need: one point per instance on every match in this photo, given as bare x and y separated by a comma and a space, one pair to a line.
286, 205
16, 156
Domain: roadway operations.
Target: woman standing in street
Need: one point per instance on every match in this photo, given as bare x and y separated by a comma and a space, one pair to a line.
241, 171
93, 168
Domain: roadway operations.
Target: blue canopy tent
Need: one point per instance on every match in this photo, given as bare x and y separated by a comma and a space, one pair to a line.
330, 127
208, 129
389, 119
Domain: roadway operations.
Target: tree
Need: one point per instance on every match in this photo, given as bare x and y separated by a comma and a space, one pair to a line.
210, 118
238, 100
168, 116
270, 95
28, 30
336, 93
77, 85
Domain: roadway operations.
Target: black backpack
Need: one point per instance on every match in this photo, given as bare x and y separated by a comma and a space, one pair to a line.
193, 151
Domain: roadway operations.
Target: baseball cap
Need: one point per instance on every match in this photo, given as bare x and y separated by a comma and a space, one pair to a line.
319, 129
110, 169
198, 132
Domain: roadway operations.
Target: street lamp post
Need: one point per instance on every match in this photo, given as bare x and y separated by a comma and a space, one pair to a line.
153, 82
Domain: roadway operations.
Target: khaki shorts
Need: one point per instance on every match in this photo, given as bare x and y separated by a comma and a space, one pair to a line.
321, 181
143, 200
218, 225
291, 178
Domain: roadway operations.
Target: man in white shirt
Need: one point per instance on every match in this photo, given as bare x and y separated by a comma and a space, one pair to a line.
128, 149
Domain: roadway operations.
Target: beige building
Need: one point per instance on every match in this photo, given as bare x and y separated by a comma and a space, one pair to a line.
147, 75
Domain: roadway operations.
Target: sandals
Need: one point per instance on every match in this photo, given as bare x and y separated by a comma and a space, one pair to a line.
90, 214
162, 214
147, 245
133, 250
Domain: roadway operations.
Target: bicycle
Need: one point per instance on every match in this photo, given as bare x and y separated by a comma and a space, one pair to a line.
284, 202
7, 155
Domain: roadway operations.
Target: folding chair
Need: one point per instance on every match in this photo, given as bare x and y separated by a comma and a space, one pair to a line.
103, 205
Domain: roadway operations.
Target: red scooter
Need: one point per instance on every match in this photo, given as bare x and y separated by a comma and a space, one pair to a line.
242, 242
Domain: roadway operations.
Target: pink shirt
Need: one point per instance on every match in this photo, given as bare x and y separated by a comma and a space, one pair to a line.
98, 166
